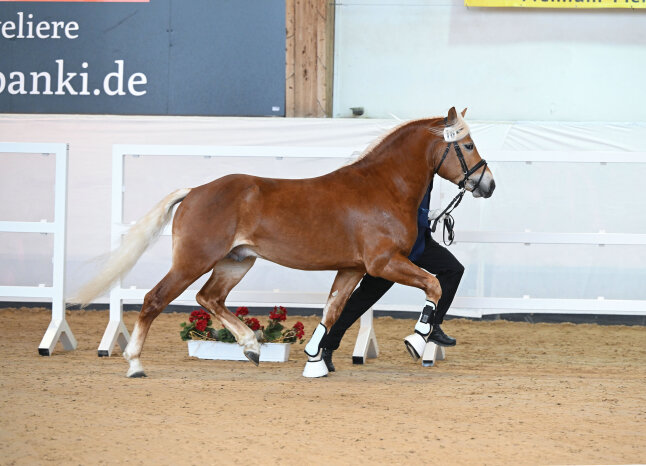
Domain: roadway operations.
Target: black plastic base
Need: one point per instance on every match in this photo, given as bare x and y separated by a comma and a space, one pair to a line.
43, 351
103, 353
357, 360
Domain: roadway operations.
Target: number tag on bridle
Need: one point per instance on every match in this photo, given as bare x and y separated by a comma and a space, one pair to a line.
450, 134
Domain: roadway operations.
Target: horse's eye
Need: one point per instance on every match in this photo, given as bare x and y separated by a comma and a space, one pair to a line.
468, 146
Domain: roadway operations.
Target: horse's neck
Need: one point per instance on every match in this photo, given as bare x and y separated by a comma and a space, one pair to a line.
401, 163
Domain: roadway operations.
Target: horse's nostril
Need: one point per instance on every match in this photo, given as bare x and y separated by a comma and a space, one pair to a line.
492, 186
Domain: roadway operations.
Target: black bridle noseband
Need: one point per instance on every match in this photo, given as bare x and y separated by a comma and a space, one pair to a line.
446, 213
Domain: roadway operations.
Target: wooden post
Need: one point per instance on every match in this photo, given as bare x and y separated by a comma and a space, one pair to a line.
309, 50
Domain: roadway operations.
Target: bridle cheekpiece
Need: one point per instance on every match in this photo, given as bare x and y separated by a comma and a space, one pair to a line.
451, 136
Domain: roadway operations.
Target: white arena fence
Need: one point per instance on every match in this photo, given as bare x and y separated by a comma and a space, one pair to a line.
470, 306
58, 328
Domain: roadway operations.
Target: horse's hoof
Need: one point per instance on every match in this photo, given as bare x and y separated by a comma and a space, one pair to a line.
314, 369
136, 369
415, 344
253, 357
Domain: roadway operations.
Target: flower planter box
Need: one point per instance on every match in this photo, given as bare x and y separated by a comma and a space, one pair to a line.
269, 352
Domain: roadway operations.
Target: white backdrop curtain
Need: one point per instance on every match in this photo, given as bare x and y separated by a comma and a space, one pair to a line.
541, 197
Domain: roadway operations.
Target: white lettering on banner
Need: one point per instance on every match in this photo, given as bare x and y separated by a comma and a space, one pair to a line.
140, 79
83, 76
115, 83
119, 77
135, 79
34, 83
17, 86
25, 28
64, 83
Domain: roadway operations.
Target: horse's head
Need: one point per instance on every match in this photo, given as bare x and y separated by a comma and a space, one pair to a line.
458, 160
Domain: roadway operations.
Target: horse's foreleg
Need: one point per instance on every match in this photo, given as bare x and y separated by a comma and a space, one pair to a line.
169, 288
342, 288
227, 273
401, 270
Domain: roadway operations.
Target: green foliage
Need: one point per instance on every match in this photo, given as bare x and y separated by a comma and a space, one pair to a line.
273, 332
184, 333
224, 335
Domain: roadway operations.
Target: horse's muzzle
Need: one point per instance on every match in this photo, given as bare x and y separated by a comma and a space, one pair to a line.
489, 192
485, 188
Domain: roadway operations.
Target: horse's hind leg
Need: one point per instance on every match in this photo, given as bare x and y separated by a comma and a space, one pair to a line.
169, 288
227, 273
342, 288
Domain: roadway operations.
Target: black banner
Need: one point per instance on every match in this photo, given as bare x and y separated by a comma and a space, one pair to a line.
163, 57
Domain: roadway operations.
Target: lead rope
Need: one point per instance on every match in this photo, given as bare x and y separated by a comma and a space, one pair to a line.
449, 222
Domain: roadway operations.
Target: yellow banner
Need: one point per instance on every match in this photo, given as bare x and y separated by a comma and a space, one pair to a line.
559, 3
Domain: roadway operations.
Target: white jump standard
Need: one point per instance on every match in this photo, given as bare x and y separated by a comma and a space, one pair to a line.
58, 329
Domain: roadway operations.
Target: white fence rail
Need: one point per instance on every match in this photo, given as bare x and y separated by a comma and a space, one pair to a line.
58, 328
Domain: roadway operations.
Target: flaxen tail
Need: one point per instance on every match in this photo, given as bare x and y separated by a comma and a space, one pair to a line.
134, 243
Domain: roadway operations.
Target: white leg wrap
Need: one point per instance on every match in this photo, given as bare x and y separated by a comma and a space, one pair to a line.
313, 346
424, 324
422, 328
416, 342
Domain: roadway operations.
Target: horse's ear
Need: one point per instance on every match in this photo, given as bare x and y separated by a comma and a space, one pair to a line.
464, 112
452, 118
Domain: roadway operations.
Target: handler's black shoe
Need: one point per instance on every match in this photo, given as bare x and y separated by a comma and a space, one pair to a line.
327, 358
440, 338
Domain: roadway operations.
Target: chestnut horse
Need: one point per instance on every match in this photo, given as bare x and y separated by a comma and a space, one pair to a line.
360, 218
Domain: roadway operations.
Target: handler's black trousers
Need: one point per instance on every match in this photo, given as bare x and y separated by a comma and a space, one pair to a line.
435, 259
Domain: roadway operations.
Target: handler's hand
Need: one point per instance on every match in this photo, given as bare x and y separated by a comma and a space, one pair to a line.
433, 214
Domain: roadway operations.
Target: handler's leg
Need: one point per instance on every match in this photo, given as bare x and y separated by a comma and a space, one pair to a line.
401, 270
370, 290
448, 270
343, 285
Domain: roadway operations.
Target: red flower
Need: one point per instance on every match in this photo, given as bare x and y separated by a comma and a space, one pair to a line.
242, 311
279, 313
252, 323
300, 330
199, 314
201, 325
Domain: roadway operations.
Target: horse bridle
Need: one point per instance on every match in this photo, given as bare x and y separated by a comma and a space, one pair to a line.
446, 213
